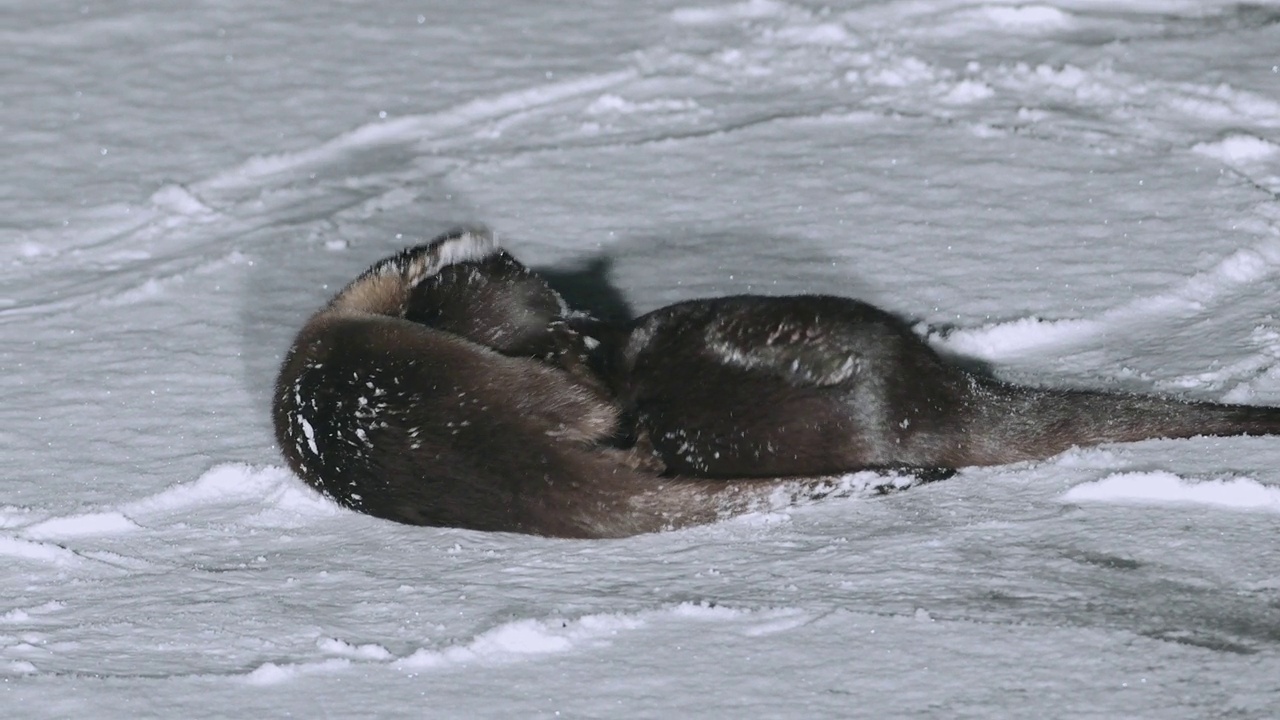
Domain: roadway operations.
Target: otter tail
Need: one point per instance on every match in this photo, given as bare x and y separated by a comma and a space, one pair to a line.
1011, 423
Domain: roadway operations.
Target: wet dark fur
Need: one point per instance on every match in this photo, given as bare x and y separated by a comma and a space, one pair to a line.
765, 386
449, 385
445, 387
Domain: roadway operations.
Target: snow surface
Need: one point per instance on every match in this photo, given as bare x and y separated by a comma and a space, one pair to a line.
1079, 193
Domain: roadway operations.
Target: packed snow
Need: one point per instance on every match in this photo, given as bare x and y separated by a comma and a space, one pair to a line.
1075, 193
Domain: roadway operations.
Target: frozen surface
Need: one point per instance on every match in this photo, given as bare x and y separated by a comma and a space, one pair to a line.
1079, 193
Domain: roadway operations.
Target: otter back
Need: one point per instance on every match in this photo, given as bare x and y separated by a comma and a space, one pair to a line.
769, 386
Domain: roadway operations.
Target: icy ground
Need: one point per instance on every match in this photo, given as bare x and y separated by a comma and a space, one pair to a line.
1082, 193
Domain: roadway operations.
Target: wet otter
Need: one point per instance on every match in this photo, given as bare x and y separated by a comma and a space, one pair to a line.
449, 385
754, 386
443, 386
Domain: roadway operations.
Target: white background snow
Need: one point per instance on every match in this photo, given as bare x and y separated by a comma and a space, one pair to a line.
1079, 193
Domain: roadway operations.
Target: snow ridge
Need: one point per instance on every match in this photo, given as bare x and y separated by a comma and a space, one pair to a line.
1166, 488
1239, 272
529, 639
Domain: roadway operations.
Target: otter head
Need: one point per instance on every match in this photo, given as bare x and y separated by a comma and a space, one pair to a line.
492, 301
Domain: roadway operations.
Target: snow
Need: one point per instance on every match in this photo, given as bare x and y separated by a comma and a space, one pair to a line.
1165, 487
1076, 193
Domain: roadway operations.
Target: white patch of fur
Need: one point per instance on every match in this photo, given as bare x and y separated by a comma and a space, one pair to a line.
384, 287
470, 245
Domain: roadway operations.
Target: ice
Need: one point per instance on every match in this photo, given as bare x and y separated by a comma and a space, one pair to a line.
1006, 339
733, 12
1028, 17
273, 674
612, 104
369, 651
967, 91
178, 199
102, 523
1165, 488
1074, 193
227, 482
18, 667
24, 615
1237, 149
517, 640
18, 549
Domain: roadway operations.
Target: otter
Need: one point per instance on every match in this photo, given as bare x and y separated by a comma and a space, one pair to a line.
448, 385
751, 386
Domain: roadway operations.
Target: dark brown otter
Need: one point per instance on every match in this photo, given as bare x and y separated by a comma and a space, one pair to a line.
754, 386
444, 386
448, 385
